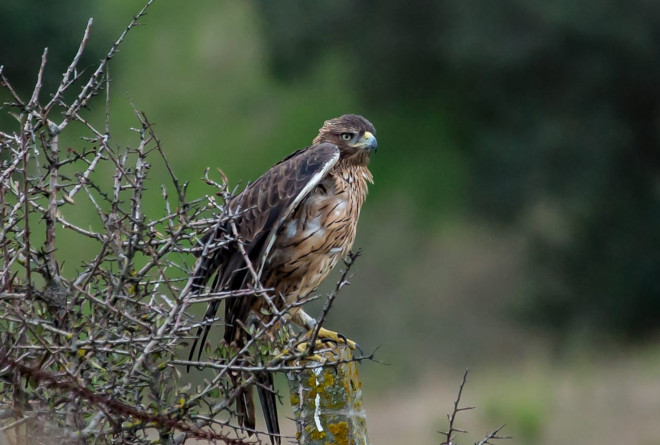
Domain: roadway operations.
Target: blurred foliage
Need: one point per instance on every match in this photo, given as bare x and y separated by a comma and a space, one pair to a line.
555, 107
537, 117
27, 27
525, 404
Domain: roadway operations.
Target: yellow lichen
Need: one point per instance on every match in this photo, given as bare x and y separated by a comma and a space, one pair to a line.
295, 400
340, 431
328, 378
317, 435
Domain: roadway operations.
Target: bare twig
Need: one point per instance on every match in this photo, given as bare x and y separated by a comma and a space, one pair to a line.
451, 429
37, 88
450, 434
493, 436
66, 78
5, 84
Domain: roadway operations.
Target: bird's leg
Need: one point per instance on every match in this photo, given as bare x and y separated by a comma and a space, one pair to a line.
303, 319
289, 335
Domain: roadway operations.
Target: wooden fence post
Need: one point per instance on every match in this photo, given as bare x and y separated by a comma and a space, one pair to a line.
327, 401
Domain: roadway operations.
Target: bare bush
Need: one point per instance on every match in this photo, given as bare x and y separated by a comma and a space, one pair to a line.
91, 357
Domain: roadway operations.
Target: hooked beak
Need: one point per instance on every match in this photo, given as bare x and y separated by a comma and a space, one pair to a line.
368, 141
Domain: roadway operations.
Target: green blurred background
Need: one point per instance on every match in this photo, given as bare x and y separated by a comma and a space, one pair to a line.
514, 226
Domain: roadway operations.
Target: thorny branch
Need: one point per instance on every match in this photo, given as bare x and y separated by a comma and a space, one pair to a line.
89, 346
50, 381
492, 436
450, 434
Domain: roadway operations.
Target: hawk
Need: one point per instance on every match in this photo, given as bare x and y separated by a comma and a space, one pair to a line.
295, 223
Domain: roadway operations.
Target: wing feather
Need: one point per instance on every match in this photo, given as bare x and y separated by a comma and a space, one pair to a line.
261, 208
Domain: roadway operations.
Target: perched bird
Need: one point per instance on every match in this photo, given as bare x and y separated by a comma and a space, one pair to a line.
296, 222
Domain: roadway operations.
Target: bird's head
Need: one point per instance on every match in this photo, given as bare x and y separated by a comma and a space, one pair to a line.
353, 134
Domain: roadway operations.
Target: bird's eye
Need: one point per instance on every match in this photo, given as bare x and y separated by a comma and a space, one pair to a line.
347, 136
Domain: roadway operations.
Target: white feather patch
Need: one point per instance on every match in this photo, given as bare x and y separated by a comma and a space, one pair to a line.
339, 210
291, 229
314, 225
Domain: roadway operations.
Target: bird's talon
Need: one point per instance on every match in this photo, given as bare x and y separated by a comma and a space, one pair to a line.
316, 358
325, 334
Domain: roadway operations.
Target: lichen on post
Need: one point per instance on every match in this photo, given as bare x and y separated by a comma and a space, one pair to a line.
327, 400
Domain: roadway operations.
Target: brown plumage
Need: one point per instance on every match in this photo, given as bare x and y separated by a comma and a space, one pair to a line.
297, 221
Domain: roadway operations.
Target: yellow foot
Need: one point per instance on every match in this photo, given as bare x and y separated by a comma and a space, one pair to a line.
326, 335
304, 347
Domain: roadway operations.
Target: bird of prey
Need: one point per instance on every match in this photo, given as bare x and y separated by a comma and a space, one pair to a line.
295, 223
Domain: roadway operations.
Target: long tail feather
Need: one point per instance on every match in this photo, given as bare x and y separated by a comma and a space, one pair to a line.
199, 277
266, 391
202, 333
245, 409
